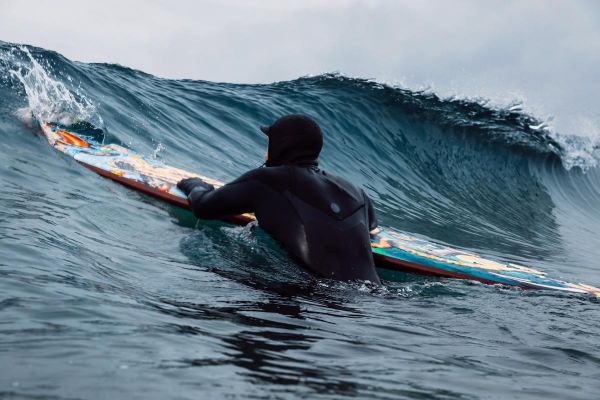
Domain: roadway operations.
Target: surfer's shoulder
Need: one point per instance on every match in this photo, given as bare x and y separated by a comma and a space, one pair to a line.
267, 175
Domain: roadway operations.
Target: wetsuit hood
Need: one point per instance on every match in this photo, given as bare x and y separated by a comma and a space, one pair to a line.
294, 139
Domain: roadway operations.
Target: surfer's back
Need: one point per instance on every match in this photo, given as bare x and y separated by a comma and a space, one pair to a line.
322, 220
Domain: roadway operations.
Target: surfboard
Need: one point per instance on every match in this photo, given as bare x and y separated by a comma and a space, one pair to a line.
392, 250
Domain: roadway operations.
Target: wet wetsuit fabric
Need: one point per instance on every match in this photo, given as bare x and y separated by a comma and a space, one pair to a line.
322, 220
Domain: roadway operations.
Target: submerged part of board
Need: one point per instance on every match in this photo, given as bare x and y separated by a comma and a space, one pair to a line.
392, 250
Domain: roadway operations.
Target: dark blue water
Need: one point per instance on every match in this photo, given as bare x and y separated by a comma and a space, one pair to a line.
106, 293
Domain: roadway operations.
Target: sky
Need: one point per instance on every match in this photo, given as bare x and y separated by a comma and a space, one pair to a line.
545, 54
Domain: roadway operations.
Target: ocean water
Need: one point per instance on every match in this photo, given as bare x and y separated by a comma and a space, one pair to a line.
107, 293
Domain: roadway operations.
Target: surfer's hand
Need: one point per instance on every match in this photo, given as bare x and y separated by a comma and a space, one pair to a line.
188, 184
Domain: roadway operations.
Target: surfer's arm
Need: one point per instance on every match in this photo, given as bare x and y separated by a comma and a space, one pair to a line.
235, 198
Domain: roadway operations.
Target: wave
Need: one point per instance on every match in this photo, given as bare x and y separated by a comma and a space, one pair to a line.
459, 171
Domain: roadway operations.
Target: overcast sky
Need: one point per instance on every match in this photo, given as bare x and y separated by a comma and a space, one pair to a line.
545, 53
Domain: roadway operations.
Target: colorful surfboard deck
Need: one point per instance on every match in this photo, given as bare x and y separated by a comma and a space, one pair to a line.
392, 250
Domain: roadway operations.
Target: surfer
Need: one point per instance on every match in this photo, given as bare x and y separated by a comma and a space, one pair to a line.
322, 220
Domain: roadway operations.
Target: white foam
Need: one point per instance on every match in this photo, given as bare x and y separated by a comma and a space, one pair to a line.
48, 99
160, 148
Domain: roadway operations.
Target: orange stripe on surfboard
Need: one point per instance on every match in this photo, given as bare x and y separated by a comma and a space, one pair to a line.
72, 139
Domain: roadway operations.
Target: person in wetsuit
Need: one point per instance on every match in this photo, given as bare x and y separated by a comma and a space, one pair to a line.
322, 220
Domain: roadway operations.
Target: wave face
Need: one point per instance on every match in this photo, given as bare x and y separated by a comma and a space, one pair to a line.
132, 290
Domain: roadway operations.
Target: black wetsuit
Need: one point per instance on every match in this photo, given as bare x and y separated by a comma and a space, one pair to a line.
322, 220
